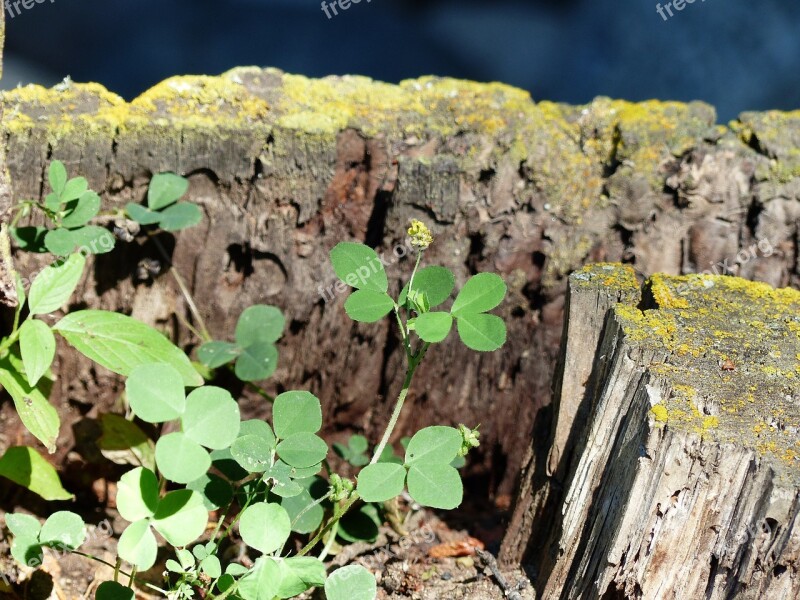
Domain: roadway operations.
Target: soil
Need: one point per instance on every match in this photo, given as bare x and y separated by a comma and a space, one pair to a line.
403, 566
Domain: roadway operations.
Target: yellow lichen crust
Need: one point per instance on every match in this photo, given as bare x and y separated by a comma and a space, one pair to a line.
614, 276
772, 134
733, 358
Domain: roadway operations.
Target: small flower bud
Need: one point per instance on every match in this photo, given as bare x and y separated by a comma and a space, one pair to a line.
420, 234
469, 439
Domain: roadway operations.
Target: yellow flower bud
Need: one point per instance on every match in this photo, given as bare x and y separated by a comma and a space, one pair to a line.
420, 234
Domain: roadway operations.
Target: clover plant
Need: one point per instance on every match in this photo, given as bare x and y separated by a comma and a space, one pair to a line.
269, 481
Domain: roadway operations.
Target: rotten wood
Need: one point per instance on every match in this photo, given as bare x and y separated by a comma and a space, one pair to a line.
684, 480
285, 167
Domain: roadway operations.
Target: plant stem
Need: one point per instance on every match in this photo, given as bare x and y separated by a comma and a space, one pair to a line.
331, 538
338, 513
414, 272
401, 398
120, 572
184, 290
9, 341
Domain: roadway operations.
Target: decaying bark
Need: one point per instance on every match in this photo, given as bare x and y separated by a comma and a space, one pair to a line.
8, 294
681, 475
284, 167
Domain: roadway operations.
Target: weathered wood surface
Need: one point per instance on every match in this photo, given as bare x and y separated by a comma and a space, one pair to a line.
284, 167
682, 477
8, 295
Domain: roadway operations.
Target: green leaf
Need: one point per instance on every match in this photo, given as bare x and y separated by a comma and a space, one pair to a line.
305, 514
280, 474
112, 590
141, 214
180, 216
381, 482
124, 443
352, 582
26, 467
23, 525
265, 526
74, 189
52, 202
165, 189
30, 239
223, 461
181, 459
433, 327
215, 354
55, 284
35, 412
361, 525
435, 282
27, 551
296, 412
93, 239
211, 566
137, 494
37, 345
57, 174
63, 529
89, 239
181, 517
155, 392
368, 306
355, 451
482, 292
436, 485
81, 210
359, 266
300, 573
252, 452
481, 332
138, 546
216, 492
59, 241
256, 362
259, 323
121, 343
303, 450
437, 444
262, 582
258, 427
211, 417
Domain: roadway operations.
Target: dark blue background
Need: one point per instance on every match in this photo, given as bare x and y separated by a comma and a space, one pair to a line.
735, 54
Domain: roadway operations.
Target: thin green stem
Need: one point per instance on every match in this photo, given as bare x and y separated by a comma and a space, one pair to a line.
338, 513
398, 407
204, 334
406, 343
329, 544
9, 341
414, 272
316, 502
118, 571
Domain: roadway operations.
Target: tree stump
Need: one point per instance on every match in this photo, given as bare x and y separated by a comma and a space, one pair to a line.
8, 293
675, 462
285, 167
